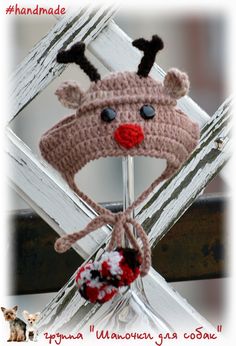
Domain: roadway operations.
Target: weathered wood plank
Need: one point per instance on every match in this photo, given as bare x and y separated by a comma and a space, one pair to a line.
39, 67
205, 162
69, 313
193, 249
49, 195
168, 204
165, 301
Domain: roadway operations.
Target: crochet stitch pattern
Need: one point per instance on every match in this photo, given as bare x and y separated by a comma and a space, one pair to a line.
125, 113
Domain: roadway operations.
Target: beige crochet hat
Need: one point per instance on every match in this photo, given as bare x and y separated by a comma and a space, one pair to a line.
126, 113
86, 135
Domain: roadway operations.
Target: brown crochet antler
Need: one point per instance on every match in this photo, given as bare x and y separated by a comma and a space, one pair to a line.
150, 49
76, 54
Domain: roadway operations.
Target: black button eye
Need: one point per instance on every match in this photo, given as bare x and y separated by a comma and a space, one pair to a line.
108, 114
147, 112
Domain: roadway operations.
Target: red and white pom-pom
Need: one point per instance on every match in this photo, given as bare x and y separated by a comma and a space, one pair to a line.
99, 281
92, 286
120, 267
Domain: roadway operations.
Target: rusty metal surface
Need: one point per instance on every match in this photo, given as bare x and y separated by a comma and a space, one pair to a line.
193, 249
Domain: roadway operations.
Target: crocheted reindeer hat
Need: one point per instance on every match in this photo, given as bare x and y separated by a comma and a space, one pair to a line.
125, 113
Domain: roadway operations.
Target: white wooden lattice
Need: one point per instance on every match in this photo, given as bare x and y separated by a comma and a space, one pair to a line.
38, 183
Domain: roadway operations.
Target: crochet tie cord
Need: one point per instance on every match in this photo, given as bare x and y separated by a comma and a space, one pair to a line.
125, 113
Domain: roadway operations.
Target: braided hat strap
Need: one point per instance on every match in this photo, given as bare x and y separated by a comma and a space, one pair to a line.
98, 208
120, 222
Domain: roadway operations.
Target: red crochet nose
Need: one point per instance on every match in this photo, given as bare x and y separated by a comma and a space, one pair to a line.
129, 135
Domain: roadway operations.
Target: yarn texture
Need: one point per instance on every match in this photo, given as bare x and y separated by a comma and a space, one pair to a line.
129, 135
110, 121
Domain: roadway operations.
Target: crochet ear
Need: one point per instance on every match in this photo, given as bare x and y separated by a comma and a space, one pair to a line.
69, 94
176, 83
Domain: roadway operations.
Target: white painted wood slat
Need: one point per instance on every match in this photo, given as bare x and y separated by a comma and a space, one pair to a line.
69, 313
39, 67
49, 195
175, 196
